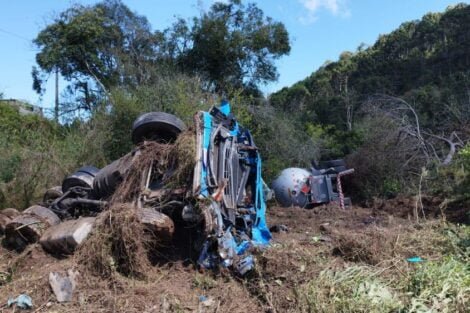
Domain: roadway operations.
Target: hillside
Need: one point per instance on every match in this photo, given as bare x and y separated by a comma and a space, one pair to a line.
425, 61
398, 108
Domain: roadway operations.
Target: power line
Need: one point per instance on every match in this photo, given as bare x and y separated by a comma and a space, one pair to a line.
15, 35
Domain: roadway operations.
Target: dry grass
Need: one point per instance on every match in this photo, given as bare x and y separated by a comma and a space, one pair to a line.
118, 243
172, 164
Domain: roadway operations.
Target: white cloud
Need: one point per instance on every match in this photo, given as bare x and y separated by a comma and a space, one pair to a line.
335, 7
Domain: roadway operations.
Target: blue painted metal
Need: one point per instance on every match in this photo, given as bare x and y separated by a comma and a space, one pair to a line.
233, 241
206, 138
260, 231
225, 107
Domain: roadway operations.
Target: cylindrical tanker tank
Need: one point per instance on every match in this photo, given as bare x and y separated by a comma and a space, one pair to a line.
290, 186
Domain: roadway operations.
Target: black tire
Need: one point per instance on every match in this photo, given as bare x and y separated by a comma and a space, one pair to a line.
332, 163
157, 126
83, 177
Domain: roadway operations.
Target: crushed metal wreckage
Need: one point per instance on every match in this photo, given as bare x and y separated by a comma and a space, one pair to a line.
308, 188
228, 172
214, 188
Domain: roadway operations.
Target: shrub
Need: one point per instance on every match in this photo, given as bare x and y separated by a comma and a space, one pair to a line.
442, 286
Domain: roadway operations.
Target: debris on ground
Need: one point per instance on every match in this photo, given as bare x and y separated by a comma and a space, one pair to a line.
63, 285
29, 226
279, 228
296, 273
415, 259
179, 225
198, 189
64, 238
22, 301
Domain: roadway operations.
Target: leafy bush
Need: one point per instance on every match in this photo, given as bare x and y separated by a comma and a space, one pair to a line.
452, 184
178, 94
282, 141
442, 286
36, 154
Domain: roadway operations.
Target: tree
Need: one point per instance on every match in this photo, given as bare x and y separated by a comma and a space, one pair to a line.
99, 47
94, 45
235, 46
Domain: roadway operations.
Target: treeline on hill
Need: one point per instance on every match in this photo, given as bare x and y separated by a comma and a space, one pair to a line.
399, 109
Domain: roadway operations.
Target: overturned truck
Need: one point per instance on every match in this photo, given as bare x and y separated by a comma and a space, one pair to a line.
204, 183
306, 188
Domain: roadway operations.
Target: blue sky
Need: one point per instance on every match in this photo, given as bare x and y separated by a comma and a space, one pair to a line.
319, 29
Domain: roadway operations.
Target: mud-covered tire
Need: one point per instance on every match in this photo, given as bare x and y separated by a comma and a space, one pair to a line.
157, 126
52, 194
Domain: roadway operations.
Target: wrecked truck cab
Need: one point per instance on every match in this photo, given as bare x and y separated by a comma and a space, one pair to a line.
228, 175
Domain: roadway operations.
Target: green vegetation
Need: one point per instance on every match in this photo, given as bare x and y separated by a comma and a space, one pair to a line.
425, 65
436, 286
231, 47
440, 284
37, 154
399, 110
411, 142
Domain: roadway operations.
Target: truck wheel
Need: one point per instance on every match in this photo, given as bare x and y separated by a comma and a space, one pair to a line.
83, 177
157, 126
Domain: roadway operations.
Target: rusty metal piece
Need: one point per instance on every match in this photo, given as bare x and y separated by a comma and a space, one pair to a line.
29, 226
158, 224
65, 237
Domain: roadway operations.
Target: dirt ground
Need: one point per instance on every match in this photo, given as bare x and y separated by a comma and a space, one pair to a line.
316, 239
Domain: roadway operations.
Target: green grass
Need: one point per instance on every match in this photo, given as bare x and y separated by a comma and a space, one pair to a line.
438, 284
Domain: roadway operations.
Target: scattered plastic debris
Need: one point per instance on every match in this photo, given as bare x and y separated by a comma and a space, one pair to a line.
202, 298
206, 301
63, 286
316, 239
22, 301
415, 259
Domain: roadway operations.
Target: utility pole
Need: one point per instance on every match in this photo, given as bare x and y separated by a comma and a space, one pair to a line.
56, 106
